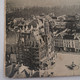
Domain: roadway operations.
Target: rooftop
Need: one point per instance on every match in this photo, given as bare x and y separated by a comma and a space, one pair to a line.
68, 37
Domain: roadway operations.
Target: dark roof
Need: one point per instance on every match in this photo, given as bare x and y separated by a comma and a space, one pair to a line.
33, 23
68, 37
76, 38
36, 74
58, 37
54, 17
78, 31
41, 20
70, 18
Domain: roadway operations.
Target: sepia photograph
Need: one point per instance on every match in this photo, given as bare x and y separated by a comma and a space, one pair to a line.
42, 38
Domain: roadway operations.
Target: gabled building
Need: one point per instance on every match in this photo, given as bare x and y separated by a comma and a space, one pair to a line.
29, 46
77, 45
36, 45
48, 58
70, 18
58, 43
77, 34
77, 38
69, 43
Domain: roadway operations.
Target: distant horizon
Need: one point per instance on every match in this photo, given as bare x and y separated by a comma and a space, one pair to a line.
42, 3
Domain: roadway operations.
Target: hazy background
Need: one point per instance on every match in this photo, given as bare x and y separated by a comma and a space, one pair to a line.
27, 8
42, 3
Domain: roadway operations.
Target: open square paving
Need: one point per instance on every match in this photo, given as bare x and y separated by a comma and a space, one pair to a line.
62, 60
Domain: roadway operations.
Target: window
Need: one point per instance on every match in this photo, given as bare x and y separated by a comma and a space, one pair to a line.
48, 38
28, 36
43, 39
72, 44
29, 26
69, 45
33, 44
40, 41
36, 44
30, 42
22, 39
52, 73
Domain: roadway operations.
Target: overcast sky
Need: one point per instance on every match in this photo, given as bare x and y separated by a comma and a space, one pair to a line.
43, 3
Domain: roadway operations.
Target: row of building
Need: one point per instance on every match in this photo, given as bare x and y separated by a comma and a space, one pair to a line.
38, 48
68, 42
37, 40
35, 44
